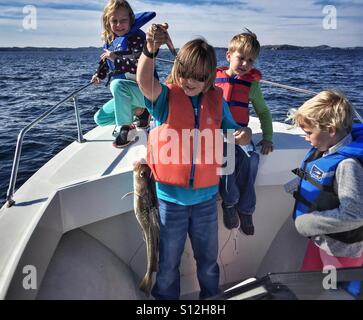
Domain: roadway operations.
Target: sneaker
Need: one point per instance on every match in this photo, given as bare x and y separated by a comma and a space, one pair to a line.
142, 121
246, 224
121, 139
230, 217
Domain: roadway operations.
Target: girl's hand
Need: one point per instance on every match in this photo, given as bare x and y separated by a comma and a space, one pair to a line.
108, 55
95, 79
156, 36
243, 136
266, 146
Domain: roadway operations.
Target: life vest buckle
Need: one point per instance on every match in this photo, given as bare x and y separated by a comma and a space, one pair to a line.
300, 173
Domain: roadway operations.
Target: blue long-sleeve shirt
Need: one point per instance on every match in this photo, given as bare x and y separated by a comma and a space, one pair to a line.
184, 196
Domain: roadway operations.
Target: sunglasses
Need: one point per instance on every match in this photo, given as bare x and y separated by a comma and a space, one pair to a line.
193, 75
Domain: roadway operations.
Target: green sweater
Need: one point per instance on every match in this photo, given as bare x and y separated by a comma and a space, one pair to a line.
261, 109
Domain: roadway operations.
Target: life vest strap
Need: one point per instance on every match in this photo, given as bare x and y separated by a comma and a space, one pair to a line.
306, 176
237, 104
299, 198
351, 236
233, 80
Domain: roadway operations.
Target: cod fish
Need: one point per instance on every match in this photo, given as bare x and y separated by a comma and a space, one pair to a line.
147, 214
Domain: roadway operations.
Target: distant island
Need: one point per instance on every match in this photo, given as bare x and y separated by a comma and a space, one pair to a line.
291, 47
265, 47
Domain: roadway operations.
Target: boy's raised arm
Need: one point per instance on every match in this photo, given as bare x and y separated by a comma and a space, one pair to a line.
149, 86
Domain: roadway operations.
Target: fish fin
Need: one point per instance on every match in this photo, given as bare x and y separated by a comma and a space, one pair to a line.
127, 194
153, 190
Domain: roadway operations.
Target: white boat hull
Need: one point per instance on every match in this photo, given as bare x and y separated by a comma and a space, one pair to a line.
78, 195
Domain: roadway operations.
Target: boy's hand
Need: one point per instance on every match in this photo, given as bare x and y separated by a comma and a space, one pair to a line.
243, 136
95, 79
266, 146
156, 36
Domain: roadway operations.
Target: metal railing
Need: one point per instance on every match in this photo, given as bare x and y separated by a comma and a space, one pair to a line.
275, 84
19, 144
307, 92
74, 95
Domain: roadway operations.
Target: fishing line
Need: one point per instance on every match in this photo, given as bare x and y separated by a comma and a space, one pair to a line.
220, 256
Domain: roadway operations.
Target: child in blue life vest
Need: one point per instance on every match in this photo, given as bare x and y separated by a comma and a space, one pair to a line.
329, 188
240, 84
124, 41
187, 106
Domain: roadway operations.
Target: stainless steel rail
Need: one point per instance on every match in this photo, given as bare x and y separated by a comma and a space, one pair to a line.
19, 144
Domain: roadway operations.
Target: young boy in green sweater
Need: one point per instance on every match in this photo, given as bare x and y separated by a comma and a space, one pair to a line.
240, 84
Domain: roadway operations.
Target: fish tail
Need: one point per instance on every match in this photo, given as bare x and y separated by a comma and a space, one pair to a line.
145, 285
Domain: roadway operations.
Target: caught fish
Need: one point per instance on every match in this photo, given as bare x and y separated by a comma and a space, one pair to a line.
147, 214
169, 43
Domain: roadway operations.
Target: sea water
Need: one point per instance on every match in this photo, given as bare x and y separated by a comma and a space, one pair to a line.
32, 81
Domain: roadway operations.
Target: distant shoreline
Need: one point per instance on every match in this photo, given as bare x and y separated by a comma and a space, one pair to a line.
265, 47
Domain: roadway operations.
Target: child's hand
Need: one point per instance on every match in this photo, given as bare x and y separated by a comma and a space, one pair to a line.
266, 146
95, 79
243, 136
108, 55
156, 36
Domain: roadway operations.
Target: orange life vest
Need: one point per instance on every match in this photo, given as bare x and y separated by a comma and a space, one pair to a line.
236, 92
176, 152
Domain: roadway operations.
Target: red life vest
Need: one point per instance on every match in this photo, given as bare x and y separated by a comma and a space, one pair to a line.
181, 151
236, 92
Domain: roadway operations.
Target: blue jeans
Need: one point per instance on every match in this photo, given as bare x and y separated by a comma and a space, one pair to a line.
200, 222
238, 188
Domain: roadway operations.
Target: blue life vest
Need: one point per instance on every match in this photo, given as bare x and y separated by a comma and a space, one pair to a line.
316, 191
316, 185
120, 44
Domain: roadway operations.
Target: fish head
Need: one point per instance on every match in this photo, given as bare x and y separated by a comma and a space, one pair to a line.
142, 175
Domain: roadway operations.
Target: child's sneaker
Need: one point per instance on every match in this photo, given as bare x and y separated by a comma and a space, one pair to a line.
230, 217
246, 225
142, 121
122, 139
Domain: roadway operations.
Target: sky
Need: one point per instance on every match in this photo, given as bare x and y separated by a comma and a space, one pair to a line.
70, 23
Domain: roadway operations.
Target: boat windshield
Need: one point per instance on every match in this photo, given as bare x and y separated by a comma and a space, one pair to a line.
331, 284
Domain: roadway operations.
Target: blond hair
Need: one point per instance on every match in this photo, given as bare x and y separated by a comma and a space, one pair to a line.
245, 42
329, 108
196, 60
113, 5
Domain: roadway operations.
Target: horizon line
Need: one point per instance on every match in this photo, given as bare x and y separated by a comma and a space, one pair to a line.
262, 46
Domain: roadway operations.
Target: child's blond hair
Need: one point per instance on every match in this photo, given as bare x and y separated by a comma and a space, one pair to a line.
329, 108
110, 8
196, 60
245, 42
